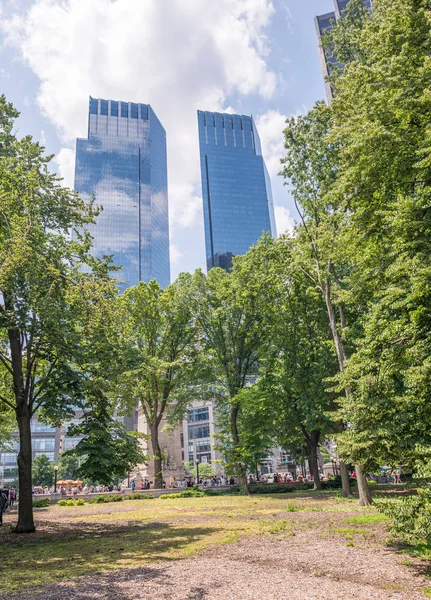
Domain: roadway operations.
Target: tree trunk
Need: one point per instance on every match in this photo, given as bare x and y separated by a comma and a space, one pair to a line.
240, 469
363, 487
345, 480
157, 460
25, 506
313, 445
344, 471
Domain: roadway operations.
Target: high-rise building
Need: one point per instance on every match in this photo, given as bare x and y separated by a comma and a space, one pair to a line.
123, 165
236, 188
324, 23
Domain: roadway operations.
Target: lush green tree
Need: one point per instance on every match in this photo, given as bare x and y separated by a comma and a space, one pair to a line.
43, 471
312, 168
107, 451
380, 121
45, 295
301, 361
68, 465
232, 313
159, 344
205, 469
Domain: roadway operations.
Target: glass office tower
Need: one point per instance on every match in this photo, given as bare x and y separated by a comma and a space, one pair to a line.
123, 164
324, 23
236, 188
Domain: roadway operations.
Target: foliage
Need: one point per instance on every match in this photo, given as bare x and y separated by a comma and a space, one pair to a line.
71, 502
106, 498
68, 465
43, 471
184, 494
107, 449
410, 515
42, 503
231, 310
47, 297
205, 469
159, 344
138, 496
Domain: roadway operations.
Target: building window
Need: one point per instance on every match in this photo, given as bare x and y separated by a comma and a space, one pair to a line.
144, 112
104, 107
93, 106
114, 108
43, 444
134, 110
199, 431
124, 109
198, 414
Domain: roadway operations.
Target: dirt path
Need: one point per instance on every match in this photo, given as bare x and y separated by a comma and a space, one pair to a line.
305, 566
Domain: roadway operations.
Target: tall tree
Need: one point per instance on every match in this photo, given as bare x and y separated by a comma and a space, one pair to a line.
231, 310
312, 166
302, 360
159, 342
381, 117
43, 293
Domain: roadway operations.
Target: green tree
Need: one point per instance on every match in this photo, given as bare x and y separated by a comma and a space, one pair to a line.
43, 471
381, 118
45, 295
159, 342
312, 167
68, 465
231, 311
301, 361
205, 469
107, 451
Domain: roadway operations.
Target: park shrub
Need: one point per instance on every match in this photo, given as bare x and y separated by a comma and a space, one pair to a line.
139, 497
410, 516
42, 503
106, 498
71, 502
185, 494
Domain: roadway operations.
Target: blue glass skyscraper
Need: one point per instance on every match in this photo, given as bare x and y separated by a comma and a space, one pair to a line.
236, 188
123, 164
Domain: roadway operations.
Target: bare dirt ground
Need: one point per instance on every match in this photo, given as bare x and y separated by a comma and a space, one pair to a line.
308, 552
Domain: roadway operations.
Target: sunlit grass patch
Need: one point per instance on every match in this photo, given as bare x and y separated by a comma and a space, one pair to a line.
369, 519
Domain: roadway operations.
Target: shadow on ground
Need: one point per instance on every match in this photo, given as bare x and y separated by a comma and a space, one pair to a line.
66, 553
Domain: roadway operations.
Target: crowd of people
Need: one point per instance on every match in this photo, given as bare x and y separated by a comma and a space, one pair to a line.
7, 499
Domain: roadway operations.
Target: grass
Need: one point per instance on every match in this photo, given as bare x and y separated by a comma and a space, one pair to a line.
427, 592
75, 541
369, 519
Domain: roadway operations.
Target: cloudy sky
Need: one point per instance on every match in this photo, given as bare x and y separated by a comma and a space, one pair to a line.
247, 56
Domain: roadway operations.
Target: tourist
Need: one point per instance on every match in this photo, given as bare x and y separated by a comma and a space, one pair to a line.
11, 497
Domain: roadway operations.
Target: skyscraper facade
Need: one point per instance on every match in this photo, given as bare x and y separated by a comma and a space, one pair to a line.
123, 165
236, 188
324, 23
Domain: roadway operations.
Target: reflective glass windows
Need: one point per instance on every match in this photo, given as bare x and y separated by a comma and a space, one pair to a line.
123, 164
198, 414
236, 192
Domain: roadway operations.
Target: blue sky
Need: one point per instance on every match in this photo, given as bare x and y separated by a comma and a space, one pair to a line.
255, 57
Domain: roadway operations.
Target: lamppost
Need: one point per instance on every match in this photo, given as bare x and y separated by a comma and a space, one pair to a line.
55, 478
197, 470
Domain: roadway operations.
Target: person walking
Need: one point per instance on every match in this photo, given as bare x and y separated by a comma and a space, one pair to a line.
4, 502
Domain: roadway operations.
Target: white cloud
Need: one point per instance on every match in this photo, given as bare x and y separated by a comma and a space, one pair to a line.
65, 161
270, 126
283, 219
178, 56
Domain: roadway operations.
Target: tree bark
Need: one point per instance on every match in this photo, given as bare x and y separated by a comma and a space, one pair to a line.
25, 506
313, 444
344, 471
157, 460
363, 487
240, 469
345, 481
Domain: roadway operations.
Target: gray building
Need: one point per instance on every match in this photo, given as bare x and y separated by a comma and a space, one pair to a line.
324, 23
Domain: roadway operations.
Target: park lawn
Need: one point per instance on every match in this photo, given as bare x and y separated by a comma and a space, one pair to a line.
84, 540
